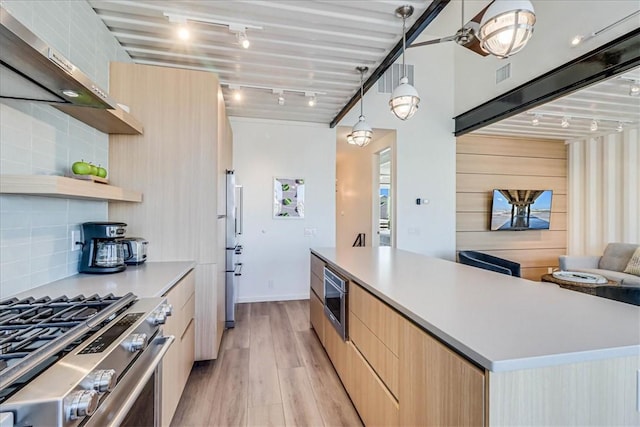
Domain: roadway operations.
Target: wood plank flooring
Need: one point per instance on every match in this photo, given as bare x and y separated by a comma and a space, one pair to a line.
271, 371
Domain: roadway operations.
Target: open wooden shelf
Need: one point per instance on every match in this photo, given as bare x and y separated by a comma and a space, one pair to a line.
60, 186
115, 121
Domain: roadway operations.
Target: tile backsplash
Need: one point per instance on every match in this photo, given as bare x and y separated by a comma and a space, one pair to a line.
35, 138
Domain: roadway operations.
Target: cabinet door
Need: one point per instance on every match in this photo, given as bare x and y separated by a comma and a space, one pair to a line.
317, 276
371, 398
382, 320
336, 349
437, 386
316, 314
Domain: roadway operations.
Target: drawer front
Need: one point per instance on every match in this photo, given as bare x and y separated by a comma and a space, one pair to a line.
187, 352
316, 314
188, 313
336, 349
317, 268
317, 286
371, 398
180, 293
381, 319
381, 359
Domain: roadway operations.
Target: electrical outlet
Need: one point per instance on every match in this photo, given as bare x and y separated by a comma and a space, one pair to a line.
75, 238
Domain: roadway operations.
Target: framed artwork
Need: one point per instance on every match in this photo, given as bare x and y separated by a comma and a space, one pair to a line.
288, 198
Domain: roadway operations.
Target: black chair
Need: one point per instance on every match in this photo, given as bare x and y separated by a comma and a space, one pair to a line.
628, 294
489, 262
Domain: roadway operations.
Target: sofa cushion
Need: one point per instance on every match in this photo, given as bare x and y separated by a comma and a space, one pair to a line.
616, 256
633, 267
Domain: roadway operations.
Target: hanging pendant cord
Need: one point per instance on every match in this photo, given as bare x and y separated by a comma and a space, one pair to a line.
404, 47
361, 91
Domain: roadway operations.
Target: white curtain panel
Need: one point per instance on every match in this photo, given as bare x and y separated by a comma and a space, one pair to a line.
604, 191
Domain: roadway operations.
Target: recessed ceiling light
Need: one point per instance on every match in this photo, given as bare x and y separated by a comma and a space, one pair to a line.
70, 93
576, 40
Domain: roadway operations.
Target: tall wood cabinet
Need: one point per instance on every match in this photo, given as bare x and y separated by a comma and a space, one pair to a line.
178, 165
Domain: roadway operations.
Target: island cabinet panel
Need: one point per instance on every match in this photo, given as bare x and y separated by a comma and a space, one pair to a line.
375, 404
437, 386
382, 320
317, 316
381, 359
177, 363
317, 276
337, 350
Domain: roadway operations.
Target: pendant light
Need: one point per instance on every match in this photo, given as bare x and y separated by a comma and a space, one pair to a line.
506, 27
361, 132
404, 99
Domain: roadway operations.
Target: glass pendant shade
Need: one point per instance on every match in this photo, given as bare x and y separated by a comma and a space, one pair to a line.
404, 100
506, 27
361, 133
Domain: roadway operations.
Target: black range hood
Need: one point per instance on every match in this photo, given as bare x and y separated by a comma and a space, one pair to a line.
33, 70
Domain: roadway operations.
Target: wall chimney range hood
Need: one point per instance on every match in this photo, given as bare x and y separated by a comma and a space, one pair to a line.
32, 70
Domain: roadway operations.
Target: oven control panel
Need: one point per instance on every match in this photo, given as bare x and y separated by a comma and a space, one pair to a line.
103, 341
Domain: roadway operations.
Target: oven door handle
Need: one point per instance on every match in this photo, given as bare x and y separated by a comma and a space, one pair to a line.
129, 389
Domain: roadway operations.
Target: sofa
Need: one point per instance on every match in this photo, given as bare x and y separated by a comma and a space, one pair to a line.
611, 264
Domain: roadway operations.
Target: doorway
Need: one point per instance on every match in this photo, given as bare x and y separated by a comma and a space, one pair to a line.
382, 201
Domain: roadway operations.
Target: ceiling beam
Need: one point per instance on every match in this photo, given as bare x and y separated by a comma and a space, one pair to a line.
612, 58
421, 23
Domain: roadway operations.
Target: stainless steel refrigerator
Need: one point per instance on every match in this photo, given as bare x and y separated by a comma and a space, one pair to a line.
233, 266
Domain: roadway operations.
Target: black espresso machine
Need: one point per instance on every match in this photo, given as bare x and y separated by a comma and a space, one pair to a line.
102, 247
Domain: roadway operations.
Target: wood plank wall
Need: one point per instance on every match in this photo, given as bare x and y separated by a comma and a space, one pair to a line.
485, 163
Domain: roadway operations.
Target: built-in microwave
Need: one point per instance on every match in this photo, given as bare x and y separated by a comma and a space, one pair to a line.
335, 301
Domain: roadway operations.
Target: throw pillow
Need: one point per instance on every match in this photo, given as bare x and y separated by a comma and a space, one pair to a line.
633, 267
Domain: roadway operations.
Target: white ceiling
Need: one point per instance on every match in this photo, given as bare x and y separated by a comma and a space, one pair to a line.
608, 102
306, 46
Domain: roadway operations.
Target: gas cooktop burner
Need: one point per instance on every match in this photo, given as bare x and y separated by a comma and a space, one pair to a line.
36, 332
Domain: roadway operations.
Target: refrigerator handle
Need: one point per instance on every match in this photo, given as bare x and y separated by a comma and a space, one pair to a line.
240, 215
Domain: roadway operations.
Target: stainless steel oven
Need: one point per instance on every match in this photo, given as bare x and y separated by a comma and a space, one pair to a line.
82, 361
335, 301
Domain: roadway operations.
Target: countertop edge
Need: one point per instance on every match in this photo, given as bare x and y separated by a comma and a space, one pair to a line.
167, 287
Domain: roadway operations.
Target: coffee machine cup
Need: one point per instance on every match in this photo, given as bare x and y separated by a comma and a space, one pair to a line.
102, 248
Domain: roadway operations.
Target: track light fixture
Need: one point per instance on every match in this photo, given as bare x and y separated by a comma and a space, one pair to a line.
634, 89
237, 95
536, 120
240, 30
565, 122
594, 125
362, 132
280, 94
311, 99
506, 27
404, 99
620, 127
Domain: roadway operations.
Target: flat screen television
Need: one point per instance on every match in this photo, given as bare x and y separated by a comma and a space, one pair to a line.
517, 210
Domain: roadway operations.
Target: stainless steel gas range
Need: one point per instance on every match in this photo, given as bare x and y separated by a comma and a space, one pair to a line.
90, 361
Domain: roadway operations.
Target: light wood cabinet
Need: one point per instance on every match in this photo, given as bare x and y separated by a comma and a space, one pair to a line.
382, 320
177, 362
372, 399
437, 386
177, 164
336, 349
317, 316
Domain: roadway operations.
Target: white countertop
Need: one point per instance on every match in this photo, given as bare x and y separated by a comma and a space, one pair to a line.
151, 279
502, 323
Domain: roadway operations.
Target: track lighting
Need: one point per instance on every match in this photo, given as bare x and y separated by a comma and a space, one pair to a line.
565, 122
404, 99
236, 93
594, 125
634, 89
280, 94
506, 27
311, 99
620, 127
536, 120
362, 132
240, 30
243, 40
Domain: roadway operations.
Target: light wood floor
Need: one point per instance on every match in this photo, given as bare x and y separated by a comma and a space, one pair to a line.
272, 371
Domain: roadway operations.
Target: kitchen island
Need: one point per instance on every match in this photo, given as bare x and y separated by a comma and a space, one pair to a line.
545, 355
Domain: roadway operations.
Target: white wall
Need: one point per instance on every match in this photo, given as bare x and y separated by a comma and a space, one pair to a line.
604, 192
277, 250
557, 23
425, 153
35, 138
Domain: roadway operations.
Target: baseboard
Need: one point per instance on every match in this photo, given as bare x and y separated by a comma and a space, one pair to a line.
265, 298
